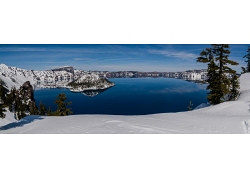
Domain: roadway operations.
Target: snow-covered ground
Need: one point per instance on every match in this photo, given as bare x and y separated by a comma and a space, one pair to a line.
8, 119
228, 117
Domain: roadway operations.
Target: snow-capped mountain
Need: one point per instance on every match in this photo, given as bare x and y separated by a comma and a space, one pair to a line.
67, 77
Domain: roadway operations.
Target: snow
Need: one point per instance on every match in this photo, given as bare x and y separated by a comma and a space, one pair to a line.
88, 78
228, 117
60, 78
15, 77
8, 119
203, 105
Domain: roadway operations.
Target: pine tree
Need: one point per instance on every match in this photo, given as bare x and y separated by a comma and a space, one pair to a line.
62, 106
247, 56
190, 106
10, 100
214, 95
3, 94
219, 71
42, 109
33, 110
206, 56
235, 85
19, 106
21, 102
16, 104
2, 111
49, 112
221, 52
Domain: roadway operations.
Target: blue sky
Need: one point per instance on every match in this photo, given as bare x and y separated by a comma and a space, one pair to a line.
140, 57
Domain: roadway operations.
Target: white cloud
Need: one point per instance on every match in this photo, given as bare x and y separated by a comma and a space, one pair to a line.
17, 49
176, 54
82, 59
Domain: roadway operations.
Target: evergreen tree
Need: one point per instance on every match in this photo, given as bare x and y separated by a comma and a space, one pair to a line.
235, 85
3, 94
19, 106
16, 104
190, 106
221, 52
42, 109
21, 102
219, 71
2, 111
49, 112
207, 56
3, 91
2, 107
10, 100
62, 106
247, 56
243, 70
214, 95
33, 110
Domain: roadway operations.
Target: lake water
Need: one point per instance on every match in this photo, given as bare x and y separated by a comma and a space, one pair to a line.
132, 97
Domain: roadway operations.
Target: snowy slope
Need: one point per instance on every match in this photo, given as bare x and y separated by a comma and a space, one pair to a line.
228, 117
8, 119
60, 77
15, 77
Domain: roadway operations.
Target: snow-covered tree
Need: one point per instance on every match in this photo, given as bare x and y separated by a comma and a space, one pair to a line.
3, 93
20, 107
10, 100
21, 102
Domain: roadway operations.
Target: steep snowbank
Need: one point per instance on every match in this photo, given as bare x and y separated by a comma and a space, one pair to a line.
228, 117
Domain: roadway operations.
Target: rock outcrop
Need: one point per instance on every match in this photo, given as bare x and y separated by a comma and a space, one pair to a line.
89, 82
26, 91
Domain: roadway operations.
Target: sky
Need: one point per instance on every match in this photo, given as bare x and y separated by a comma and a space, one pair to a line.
134, 57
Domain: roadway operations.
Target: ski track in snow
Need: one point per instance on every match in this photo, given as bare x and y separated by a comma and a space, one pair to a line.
227, 118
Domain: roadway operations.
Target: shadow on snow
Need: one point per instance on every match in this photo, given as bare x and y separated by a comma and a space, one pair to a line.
20, 123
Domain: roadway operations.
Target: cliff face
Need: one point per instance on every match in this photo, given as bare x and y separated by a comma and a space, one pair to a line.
55, 78
27, 93
26, 90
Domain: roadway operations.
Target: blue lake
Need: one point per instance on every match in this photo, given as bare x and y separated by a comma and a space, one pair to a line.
132, 97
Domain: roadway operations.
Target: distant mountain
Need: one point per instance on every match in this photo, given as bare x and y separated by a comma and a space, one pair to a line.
190, 75
64, 77
69, 69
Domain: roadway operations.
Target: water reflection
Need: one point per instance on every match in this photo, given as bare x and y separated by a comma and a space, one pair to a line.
93, 93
